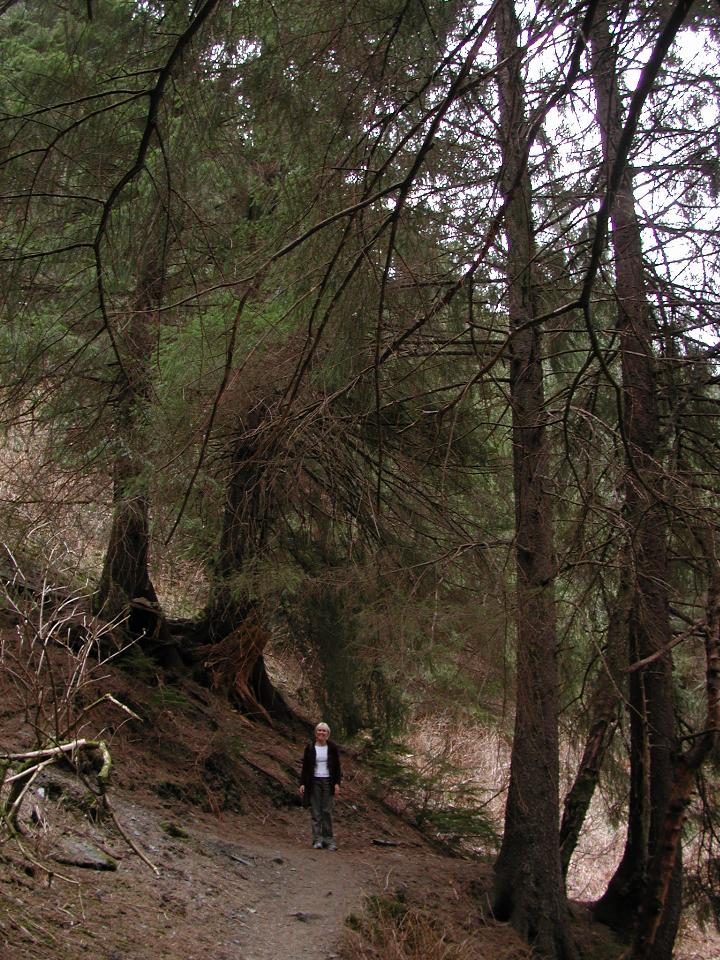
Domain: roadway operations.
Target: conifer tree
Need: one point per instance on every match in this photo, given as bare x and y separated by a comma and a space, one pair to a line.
528, 888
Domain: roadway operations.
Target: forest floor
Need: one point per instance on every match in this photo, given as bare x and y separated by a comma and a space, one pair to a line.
209, 800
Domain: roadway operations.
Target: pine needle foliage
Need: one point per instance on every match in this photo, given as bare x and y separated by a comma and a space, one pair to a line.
439, 798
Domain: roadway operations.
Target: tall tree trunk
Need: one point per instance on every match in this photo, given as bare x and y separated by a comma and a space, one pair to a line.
528, 890
125, 583
232, 622
652, 721
605, 708
665, 857
243, 528
125, 587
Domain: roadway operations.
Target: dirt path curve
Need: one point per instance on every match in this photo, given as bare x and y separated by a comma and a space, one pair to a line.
236, 888
300, 901
283, 900
233, 888
229, 885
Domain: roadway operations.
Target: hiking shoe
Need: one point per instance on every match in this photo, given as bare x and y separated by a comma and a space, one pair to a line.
332, 845
318, 845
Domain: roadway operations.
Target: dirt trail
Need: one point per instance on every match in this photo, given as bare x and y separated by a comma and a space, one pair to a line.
230, 888
300, 902
211, 800
224, 891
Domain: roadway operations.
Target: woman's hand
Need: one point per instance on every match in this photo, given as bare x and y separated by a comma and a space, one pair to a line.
301, 790
337, 789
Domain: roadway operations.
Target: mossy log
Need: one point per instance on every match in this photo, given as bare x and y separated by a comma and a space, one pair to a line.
32, 762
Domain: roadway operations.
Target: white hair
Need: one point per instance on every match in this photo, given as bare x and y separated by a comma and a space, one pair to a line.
323, 726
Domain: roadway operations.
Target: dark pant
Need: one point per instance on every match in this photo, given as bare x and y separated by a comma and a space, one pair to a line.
321, 807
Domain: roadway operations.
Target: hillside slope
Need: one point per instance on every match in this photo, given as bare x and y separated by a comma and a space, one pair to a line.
222, 866
209, 799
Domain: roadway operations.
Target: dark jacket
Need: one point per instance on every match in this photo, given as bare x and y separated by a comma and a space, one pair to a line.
308, 767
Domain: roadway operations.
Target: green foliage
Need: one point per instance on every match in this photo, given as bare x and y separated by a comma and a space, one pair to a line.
138, 664
174, 830
438, 797
172, 698
355, 692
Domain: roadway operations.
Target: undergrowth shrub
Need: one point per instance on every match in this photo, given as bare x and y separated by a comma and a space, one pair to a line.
53, 657
701, 884
434, 794
354, 691
52, 665
390, 929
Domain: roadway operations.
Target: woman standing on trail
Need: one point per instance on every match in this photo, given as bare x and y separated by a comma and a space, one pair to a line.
319, 783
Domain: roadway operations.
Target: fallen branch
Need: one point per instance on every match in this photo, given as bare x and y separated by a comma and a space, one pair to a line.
47, 751
130, 842
37, 760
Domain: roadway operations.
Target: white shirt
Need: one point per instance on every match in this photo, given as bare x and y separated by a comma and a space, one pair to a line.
321, 762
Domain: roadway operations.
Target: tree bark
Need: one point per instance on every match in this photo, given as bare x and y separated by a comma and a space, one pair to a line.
245, 517
664, 864
125, 587
652, 721
232, 622
605, 708
528, 889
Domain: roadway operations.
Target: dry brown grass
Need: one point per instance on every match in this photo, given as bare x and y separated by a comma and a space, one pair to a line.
480, 752
58, 519
393, 930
